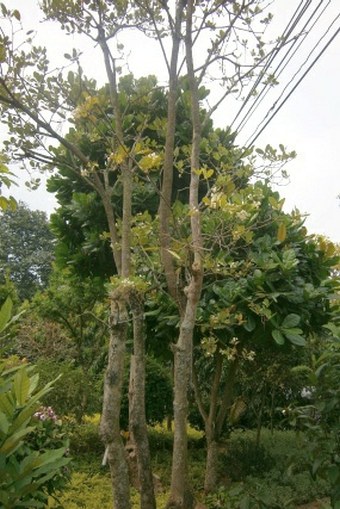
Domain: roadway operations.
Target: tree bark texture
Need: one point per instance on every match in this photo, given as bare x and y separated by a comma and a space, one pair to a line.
211, 463
180, 492
110, 421
214, 417
123, 264
168, 167
137, 417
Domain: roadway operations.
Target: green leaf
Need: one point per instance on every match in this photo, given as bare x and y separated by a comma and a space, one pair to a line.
281, 232
5, 313
48, 459
245, 503
16, 14
250, 324
290, 321
13, 441
316, 465
7, 405
277, 335
2, 53
296, 339
24, 416
175, 255
4, 424
21, 386
334, 474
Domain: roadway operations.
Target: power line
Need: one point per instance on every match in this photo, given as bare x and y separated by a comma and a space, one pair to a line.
301, 9
296, 74
256, 135
279, 69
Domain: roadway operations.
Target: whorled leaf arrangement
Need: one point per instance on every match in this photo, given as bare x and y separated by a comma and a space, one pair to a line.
25, 471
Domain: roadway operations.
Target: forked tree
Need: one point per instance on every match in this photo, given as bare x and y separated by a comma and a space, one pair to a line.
199, 42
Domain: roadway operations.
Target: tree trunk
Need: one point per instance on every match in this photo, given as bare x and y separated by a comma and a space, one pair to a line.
227, 396
181, 496
212, 437
180, 493
110, 421
137, 418
211, 465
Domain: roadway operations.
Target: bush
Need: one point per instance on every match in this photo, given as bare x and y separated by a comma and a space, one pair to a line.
84, 439
244, 457
32, 452
94, 491
321, 419
158, 393
75, 393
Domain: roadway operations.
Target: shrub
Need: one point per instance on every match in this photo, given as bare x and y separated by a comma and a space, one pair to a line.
321, 419
32, 453
94, 491
158, 393
84, 439
244, 457
75, 393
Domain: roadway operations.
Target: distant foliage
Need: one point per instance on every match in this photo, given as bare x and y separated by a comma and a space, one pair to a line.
75, 393
26, 249
158, 393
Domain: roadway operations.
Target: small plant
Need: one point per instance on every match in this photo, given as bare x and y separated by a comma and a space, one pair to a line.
32, 450
321, 418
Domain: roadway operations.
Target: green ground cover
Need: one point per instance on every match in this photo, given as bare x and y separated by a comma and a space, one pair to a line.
273, 475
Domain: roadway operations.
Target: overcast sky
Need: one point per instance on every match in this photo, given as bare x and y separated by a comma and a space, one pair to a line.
307, 123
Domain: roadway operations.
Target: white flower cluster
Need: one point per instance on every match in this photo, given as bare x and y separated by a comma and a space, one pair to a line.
46, 414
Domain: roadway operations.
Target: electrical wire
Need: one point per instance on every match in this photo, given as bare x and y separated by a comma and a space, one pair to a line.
297, 15
282, 65
257, 134
295, 75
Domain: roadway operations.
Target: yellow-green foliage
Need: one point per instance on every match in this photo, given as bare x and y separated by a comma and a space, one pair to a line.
88, 491
92, 419
93, 491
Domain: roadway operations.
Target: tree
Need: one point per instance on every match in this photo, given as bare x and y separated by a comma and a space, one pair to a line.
78, 306
26, 249
269, 289
132, 157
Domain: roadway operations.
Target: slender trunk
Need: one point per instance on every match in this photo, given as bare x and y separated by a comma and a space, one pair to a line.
168, 167
180, 492
137, 379
259, 422
212, 437
211, 465
180, 495
227, 396
272, 411
137, 418
110, 421
209, 419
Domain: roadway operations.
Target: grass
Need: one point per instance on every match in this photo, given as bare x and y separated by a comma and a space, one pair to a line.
275, 478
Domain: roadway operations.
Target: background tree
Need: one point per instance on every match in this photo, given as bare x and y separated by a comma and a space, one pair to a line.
27, 247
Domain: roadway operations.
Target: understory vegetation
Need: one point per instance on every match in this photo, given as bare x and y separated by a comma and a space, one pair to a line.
274, 474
